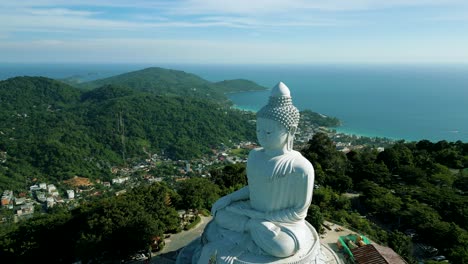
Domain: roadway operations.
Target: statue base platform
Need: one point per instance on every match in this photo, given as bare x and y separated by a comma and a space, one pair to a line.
317, 254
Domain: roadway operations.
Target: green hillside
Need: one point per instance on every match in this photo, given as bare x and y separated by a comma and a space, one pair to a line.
173, 82
51, 130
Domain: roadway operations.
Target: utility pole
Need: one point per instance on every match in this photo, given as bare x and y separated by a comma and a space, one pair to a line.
121, 130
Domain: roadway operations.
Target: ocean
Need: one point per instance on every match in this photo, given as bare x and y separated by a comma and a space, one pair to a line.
410, 102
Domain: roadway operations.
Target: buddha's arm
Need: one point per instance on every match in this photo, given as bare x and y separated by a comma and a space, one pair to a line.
303, 198
241, 194
288, 215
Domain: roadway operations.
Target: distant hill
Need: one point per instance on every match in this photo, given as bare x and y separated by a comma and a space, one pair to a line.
50, 130
22, 93
239, 85
173, 82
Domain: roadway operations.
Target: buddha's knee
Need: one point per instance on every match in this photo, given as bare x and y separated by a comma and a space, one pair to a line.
283, 245
210, 233
231, 221
271, 239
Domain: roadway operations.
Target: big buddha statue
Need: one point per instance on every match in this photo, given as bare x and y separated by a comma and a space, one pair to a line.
264, 222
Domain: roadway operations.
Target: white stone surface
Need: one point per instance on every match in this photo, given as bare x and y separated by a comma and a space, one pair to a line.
280, 90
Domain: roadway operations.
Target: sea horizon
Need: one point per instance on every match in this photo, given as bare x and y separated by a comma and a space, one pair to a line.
397, 101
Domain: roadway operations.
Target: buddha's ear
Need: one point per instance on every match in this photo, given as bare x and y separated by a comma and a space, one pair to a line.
290, 140
292, 130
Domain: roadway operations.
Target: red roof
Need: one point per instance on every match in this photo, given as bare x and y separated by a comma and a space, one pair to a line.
376, 254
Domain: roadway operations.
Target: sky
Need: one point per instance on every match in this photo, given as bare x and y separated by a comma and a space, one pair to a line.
234, 31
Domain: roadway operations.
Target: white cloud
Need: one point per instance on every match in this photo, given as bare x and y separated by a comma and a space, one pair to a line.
62, 15
89, 31
66, 19
262, 7
242, 7
58, 12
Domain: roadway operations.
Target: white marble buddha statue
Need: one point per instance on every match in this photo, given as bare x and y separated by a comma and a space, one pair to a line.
264, 222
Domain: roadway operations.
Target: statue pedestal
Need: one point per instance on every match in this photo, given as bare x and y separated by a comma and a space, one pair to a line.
317, 254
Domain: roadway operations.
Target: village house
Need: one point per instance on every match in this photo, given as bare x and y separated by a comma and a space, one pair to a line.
50, 202
27, 208
51, 188
7, 197
20, 201
120, 192
119, 180
71, 194
41, 197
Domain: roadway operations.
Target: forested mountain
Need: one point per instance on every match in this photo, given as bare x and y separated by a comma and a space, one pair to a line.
173, 82
50, 129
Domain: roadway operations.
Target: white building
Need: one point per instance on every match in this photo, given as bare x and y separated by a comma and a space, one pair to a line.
50, 202
34, 188
43, 186
119, 180
71, 194
51, 188
19, 201
41, 197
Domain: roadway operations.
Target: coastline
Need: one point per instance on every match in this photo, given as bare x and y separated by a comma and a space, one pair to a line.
248, 91
247, 109
338, 130
349, 132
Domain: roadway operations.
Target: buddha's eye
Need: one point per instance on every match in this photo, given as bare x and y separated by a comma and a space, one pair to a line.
268, 133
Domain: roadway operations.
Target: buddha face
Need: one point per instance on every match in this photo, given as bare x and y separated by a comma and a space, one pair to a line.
271, 134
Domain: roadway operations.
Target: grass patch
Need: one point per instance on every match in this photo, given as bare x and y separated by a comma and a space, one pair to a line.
193, 224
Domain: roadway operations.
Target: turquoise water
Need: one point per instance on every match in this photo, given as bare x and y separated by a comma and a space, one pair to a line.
400, 102
408, 102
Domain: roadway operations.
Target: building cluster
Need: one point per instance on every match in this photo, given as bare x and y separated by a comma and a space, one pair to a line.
24, 204
21, 205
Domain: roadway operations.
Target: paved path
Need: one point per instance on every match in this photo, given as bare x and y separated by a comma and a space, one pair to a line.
178, 241
181, 239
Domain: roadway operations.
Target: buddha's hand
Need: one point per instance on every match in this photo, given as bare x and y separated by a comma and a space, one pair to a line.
220, 204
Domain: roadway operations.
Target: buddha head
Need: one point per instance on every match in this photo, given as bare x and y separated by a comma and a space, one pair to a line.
278, 120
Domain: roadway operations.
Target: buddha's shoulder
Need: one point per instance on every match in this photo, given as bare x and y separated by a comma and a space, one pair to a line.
255, 152
294, 159
301, 164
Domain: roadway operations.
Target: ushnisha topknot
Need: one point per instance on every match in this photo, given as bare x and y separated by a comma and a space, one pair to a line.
280, 107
